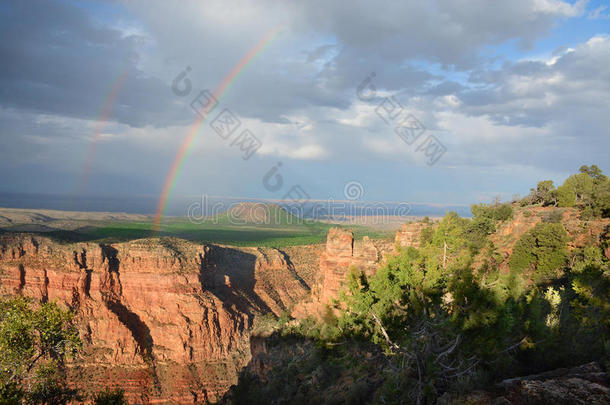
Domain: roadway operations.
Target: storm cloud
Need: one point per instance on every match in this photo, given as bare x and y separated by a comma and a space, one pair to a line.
498, 83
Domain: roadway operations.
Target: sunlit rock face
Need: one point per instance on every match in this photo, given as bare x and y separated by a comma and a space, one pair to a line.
410, 234
164, 319
342, 252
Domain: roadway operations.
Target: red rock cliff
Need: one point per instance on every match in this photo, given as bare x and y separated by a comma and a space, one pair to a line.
409, 234
165, 319
341, 252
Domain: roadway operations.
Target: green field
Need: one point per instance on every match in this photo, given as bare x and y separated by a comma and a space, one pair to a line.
244, 225
218, 231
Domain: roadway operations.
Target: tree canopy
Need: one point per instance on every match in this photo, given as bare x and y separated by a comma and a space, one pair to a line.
589, 190
35, 340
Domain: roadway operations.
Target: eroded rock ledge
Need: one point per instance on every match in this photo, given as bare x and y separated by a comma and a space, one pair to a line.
164, 318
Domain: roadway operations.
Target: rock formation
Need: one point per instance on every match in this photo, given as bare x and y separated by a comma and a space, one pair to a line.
585, 384
341, 253
164, 318
409, 234
581, 232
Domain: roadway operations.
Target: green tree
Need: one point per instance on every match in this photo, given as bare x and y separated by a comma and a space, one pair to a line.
582, 185
588, 190
495, 212
484, 222
546, 192
591, 283
542, 249
566, 197
523, 256
601, 198
378, 307
594, 172
591, 190
35, 340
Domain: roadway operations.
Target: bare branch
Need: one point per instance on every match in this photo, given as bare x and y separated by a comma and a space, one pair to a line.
384, 332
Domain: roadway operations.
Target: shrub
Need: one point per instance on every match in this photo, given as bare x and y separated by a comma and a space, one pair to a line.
10, 393
542, 249
426, 234
566, 197
589, 190
544, 194
553, 217
109, 396
494, 212
504, 212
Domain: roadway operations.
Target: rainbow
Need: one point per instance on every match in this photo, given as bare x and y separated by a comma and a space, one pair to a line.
101, 122
194, 130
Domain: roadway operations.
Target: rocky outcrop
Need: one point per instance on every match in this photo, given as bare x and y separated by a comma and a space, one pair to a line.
586, 384
580, 232
410, 234
165, 318
341, 253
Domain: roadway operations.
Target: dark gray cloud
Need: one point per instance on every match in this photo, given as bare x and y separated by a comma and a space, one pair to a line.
64, 62
58, 60
444, 31
328, 48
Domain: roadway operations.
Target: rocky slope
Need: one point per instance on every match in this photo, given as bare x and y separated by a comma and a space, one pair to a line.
288, 368
585, 384
581, 232
293, 371
341, 252
409, 234
163, 318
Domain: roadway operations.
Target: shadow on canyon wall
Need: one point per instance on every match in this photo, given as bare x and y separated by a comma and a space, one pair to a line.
230, 275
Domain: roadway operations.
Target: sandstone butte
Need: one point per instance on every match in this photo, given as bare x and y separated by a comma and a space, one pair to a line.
171, 320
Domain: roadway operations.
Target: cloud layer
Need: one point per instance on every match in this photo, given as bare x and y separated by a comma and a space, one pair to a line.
507, 109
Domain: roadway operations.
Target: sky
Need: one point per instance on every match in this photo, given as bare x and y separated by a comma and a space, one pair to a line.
445, 101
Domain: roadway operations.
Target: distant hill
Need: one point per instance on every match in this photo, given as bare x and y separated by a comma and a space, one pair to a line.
147, 205
257, 214
39, 220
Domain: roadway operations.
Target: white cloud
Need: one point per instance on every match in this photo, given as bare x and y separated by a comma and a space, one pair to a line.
305, 152
561, 8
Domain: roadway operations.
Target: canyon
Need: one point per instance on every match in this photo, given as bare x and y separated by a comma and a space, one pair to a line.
166, 319
171, 321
